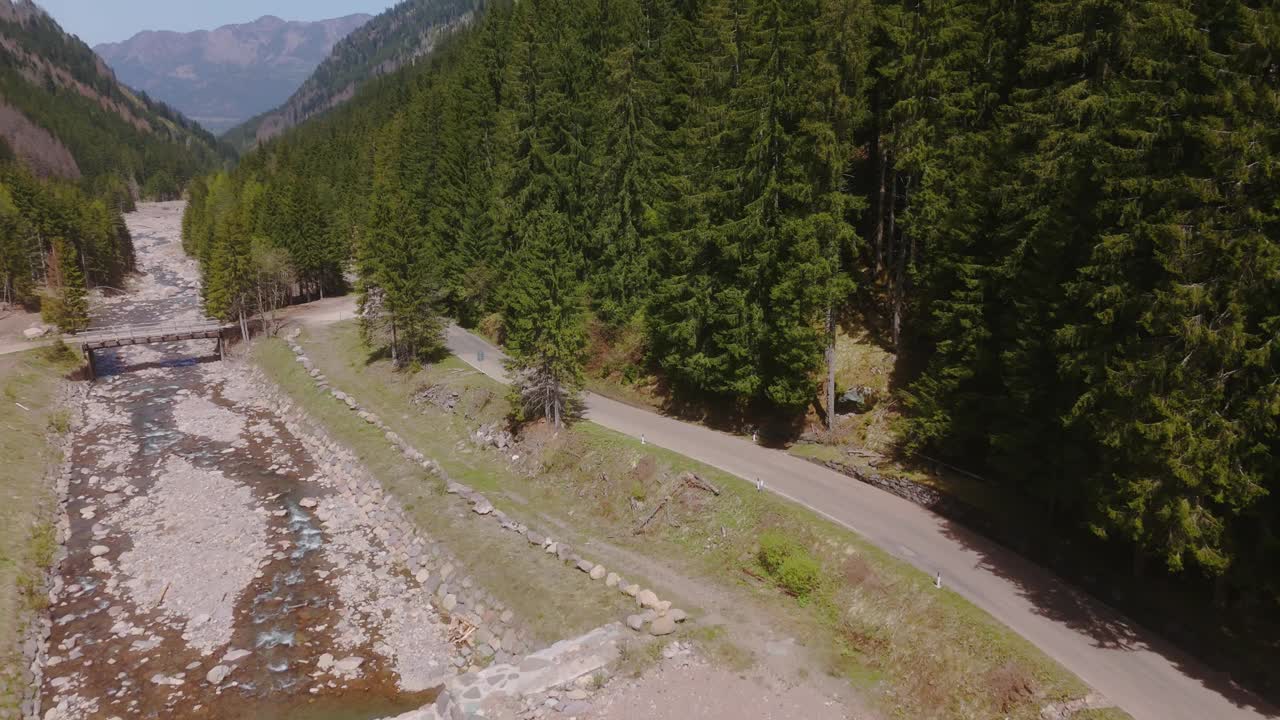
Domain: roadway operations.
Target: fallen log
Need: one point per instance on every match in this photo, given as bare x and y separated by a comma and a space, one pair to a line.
658, 509
692, 480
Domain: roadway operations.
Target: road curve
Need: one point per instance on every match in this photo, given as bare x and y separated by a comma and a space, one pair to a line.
1132, 667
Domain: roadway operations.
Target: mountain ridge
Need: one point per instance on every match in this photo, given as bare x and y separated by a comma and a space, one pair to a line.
66, 115
391, 40
224, 76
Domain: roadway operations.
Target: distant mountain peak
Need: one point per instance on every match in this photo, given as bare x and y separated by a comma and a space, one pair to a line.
224, 76
395, 38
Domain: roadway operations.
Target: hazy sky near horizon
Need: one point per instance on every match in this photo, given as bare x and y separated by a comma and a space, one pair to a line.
99, 21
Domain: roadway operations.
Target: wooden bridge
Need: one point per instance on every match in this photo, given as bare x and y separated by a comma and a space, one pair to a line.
148, 334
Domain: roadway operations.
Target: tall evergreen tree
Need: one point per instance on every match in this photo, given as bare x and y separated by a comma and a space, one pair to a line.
544, 321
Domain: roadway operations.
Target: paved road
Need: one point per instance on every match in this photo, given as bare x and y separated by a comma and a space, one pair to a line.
1127, 664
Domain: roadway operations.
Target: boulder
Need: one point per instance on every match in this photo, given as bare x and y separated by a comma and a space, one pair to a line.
677, 615
612, 580
597, 572
348, 665
647, 599
586, 566
34, 332
218, 674
631, 589
664, 625
635, 622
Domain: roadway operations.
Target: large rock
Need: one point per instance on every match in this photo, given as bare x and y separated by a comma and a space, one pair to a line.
664, 625
348, 665
597, 572
34, 332
218, 674
647, 599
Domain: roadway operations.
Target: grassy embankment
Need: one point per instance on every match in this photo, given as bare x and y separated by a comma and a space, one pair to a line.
865, 442
29, 422
913, 651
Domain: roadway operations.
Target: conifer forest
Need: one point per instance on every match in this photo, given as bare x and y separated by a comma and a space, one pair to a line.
1064, 214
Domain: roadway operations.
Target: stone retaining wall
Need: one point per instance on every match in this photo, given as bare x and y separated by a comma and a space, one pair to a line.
494, 635
925, 496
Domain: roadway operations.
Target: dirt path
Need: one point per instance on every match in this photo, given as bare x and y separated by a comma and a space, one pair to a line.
213, 568
13, 322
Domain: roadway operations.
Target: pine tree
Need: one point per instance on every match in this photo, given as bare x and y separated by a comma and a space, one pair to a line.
71, 312
624, 207
545, 321
15, 253
229, 282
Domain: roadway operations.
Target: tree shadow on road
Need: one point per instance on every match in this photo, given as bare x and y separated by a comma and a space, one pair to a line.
1105, 627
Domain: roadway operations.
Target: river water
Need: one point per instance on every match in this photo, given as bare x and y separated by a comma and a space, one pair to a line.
211, 570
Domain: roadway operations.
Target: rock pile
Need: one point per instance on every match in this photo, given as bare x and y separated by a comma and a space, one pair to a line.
492, 436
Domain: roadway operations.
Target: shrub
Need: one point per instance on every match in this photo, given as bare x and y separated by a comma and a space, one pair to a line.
789, 565
60, 422
775, 548
59, 352
800, 575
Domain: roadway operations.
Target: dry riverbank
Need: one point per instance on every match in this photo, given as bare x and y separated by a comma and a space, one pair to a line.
218, 562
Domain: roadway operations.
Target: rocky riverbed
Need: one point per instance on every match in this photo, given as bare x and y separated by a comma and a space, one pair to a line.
217, 564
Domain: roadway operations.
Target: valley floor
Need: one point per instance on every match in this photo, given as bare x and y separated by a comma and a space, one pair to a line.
1127, 664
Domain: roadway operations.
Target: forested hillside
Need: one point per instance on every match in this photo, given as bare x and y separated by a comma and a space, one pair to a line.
77, 149
115, 137
405, 32
1065, 211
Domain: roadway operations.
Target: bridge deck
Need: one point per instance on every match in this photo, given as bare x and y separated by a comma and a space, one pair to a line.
145, 334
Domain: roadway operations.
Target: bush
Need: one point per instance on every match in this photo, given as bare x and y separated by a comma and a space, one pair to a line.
789, 565
775, 548
800, 575
58, 352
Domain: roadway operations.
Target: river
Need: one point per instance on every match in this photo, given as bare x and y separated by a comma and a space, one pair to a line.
211, 570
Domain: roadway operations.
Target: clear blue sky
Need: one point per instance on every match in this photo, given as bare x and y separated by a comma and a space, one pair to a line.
99, 21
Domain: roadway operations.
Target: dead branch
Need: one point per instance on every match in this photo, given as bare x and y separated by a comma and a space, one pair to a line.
656, 510
693, 480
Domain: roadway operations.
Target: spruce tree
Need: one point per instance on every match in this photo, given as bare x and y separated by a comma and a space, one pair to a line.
72, 307
544, 321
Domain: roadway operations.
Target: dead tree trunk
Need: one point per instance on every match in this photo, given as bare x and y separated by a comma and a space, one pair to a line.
831, 367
